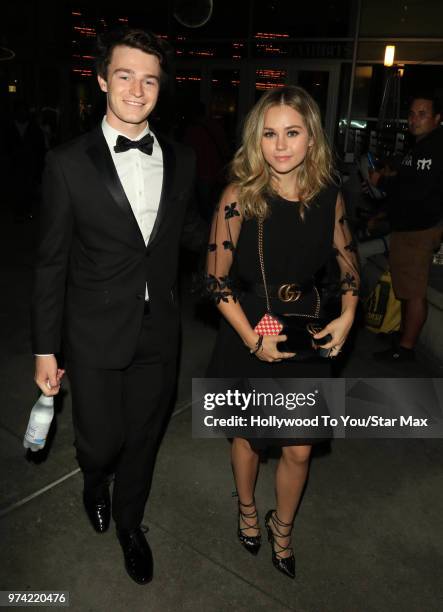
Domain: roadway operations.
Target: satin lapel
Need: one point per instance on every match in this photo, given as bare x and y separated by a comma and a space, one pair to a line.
169, 163
100, 156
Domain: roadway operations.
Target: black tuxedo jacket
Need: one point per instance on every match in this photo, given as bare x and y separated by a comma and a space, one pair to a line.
92, 263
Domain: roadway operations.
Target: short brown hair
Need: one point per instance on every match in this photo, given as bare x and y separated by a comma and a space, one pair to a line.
431, 97
136, 39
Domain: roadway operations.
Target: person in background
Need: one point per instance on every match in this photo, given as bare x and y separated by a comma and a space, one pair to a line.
24, 142
414, 207
206, 136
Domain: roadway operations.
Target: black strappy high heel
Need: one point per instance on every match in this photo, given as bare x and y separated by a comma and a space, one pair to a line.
286, 565
251, 543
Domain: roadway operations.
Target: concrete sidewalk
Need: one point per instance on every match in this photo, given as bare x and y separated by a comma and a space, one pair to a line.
368, 536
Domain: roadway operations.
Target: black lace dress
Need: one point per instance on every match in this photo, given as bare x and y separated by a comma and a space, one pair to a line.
295, 250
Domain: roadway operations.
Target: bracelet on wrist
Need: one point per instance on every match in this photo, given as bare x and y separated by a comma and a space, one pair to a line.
258, 345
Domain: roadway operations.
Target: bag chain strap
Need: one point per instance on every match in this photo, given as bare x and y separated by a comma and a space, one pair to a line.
316, 314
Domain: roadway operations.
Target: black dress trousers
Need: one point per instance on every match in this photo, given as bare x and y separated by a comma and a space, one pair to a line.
119, 418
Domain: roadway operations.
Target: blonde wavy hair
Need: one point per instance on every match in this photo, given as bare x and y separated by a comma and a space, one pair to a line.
252, 175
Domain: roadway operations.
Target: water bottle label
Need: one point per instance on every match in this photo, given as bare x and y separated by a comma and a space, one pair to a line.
30, 433
37, 433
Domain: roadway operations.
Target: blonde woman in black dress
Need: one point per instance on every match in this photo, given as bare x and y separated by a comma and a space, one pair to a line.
281, 176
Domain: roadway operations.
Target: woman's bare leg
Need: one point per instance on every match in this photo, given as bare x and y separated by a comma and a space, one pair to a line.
244, 462
290, 478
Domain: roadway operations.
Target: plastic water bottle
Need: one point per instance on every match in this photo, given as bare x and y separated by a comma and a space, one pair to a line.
40, 420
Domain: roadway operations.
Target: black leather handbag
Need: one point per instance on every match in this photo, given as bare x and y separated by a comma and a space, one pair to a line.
299, 327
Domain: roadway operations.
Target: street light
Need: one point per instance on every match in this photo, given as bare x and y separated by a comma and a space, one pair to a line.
389, 55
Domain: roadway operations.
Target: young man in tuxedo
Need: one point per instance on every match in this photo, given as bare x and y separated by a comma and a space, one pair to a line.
113, 213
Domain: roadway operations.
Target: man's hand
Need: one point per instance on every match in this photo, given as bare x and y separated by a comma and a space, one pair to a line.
47, 375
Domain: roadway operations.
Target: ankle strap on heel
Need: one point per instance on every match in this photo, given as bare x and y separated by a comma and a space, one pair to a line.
248, 515
278, 523
252, 514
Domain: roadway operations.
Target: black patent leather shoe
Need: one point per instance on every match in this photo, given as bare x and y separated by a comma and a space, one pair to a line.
98, 510
138, 556
250, 543
286, 564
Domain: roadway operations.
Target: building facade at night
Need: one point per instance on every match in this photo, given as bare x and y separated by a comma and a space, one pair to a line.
333, 48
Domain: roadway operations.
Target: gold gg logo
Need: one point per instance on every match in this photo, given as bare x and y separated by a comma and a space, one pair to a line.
288, 293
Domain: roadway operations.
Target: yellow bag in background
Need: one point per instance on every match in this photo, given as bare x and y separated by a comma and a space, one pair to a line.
383, 310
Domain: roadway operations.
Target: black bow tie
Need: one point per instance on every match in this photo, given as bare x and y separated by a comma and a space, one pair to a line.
144, 144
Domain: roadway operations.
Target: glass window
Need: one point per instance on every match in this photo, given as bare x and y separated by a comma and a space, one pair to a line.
187, 86
362, 89
268, 78
189, 47
316, 83
186, 97
224, 100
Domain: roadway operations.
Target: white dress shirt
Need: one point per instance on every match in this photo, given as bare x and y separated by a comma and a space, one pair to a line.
141, 176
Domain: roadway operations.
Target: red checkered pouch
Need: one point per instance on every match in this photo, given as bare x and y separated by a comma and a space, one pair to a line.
268, 326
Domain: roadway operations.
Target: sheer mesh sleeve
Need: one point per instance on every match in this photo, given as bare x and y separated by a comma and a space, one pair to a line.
345, 251
223, 237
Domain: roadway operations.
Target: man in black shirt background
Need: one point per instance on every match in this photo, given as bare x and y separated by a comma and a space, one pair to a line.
414, 207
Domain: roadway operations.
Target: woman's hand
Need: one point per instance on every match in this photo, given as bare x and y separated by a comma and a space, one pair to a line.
339, 329
269, 351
